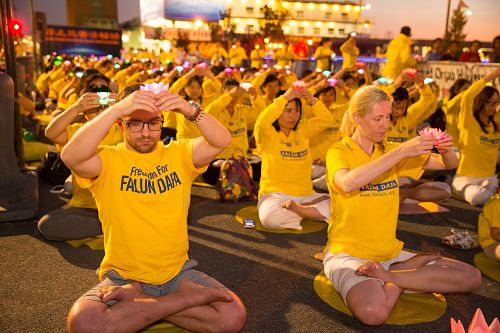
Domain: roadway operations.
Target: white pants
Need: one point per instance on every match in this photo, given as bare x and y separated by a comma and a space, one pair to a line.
475, 190
273, 216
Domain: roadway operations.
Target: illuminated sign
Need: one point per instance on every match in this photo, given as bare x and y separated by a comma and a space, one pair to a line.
73, 40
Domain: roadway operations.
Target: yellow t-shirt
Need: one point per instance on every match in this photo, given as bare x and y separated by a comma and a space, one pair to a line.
478, 150
284, 57
286, 160
143, 202
321, 142
405, 127
350, 54
236, 56
363, 222
399, 57
257, 58
489, 218
451, 108
82, 198
322, 55
238, 124
187, 129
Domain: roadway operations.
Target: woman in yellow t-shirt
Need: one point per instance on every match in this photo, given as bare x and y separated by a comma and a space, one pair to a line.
200, 86
286, 194
323, 54
238, 118
350, 52
80, 219
489, 228
451, 108
479, 125
363, 259
404, 120
321, 142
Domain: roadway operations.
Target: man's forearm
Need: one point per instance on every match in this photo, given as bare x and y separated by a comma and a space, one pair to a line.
214, 132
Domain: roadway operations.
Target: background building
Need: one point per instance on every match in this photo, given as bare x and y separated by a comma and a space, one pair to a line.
101, 14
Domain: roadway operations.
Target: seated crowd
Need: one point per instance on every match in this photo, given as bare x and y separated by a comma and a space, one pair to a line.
323, 146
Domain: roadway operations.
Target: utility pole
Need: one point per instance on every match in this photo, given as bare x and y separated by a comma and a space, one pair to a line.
447, 17
10, 64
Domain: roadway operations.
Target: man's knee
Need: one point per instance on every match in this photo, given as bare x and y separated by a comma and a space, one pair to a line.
472, 278
86, 316
233, 319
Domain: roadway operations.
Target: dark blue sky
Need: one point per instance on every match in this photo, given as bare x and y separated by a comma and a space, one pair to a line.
426, 17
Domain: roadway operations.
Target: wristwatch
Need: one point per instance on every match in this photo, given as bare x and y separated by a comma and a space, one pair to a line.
198, 112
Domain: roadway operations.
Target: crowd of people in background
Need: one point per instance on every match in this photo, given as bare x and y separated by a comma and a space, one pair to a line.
320, 143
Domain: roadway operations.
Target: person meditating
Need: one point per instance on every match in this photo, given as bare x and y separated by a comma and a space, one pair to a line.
142, 190
286, 195
363, 259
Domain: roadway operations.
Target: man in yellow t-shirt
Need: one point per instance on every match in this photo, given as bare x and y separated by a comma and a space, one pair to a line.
237, 55
399, 54
489, 228
142, 190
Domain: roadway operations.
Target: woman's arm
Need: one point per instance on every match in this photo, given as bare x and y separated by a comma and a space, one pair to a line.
351, 180
56, 130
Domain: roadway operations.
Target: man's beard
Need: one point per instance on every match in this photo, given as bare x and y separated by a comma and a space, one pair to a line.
142, 148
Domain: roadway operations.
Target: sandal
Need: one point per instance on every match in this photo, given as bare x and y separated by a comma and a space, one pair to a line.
462, 240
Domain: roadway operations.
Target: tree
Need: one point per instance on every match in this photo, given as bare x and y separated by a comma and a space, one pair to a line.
272, 22
458, 22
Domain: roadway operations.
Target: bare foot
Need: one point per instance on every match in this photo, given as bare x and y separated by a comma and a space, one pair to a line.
195, 294
374, 270
417, 261
121, 293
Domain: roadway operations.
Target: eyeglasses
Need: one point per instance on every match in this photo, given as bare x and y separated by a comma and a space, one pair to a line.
136, 126
492, 103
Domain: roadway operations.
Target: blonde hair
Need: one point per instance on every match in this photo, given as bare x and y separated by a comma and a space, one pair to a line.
362, 103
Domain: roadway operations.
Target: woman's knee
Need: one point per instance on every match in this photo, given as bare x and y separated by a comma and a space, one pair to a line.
477, 196
372, 314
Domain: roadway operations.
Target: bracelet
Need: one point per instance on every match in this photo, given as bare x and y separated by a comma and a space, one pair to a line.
198, 114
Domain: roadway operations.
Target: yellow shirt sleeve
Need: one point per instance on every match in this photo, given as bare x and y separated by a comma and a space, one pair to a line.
489, 218
412, 167
422, 109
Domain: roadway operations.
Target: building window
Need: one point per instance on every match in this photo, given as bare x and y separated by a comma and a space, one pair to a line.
250, 29
331, 31
300, 30
316, 31
345, 16
250, 10
328, 15
300, 14
342, 31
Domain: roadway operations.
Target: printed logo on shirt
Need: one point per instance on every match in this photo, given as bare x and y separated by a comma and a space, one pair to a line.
238, 131
331, 130
486, 140
380, 187
293, 154
155, 182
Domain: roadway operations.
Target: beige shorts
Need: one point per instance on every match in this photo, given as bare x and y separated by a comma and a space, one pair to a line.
341, 268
